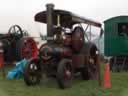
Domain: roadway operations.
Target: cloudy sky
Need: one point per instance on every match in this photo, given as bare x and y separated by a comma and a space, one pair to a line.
22, 12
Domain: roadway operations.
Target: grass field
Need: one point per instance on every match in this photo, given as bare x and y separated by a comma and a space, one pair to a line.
49, 87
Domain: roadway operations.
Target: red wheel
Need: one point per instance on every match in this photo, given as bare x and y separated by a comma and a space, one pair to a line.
26, 48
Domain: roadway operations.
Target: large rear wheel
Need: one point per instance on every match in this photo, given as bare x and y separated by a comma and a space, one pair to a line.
94, 64
91, 69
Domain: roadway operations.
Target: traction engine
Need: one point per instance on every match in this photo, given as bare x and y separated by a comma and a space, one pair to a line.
66, 51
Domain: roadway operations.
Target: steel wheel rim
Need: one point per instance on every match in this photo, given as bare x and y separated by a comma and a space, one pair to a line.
16, 30
33, 73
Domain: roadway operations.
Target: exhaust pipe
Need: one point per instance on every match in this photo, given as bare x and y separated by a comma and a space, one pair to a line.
49, 13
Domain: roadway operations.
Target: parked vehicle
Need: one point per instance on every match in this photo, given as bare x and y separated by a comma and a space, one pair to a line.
66, 52
17, 45
116, 39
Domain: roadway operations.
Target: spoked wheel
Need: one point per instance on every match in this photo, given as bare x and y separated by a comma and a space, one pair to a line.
93, 63
32, 72
64, 73
15, 31
26, 48
91, 68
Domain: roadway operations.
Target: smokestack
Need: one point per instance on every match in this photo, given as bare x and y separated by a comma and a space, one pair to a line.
49, 14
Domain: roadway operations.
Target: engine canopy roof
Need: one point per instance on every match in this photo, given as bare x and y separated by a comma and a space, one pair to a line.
67, 19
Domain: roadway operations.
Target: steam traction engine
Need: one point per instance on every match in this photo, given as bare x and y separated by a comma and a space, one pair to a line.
66, 51
17, 45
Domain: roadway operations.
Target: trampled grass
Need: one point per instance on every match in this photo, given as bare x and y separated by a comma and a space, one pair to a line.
48, 87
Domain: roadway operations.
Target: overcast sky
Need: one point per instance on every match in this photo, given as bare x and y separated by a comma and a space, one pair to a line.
22, 12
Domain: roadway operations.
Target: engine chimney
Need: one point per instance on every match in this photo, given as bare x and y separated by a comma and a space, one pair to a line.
49, 14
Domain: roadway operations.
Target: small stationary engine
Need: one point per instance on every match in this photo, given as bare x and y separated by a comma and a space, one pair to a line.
17, 45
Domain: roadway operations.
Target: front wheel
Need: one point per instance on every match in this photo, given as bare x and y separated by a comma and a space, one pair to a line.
32, 72
64, 73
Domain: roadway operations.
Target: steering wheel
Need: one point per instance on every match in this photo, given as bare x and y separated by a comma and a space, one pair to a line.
15, 31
